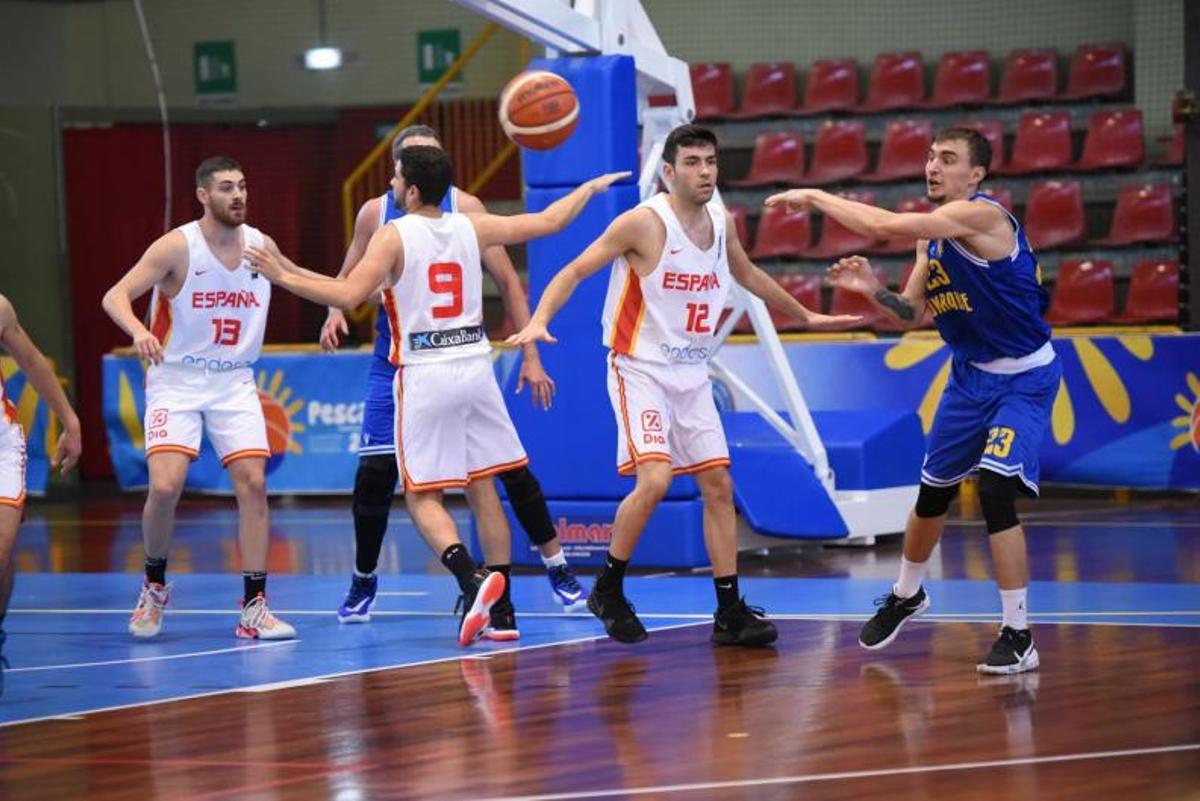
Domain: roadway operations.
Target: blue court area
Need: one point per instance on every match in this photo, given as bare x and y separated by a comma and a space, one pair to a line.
67, 650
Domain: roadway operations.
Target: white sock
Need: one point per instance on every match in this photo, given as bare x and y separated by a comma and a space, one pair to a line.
1015, 614
909, 582
362, 575
558, 559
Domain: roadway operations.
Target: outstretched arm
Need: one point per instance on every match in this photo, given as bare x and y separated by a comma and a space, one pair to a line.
495, 230
160, 264
365, 224
384, 249
41, 375
758, 283
623, 235
959, 218
856, 274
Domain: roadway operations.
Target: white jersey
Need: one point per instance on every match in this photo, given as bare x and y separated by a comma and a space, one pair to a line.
217, 319
670, 315
8, 412
435, 309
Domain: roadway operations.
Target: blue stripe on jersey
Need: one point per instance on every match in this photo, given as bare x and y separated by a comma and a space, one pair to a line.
987, 310
383, 335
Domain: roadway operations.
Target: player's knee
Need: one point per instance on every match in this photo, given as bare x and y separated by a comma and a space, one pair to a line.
165, 489
248, 480
654, 482
934, 501
716, 487
521, 485
375, 484
998, 501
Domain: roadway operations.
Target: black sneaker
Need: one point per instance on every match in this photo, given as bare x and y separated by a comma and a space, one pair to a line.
615, 611
503, 625
880, 630
476, 605
743, 625
1013, 652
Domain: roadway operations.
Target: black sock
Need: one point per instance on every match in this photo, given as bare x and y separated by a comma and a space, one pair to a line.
156, 570
506, 571
612, 577
727, 591
459, 562
374, 488
253, 583
529, 505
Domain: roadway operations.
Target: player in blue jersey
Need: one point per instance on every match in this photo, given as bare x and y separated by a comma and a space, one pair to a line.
377, 475
977, 274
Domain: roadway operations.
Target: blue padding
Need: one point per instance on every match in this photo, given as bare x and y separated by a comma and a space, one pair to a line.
867, 448
606, 137
674, 536
778, 493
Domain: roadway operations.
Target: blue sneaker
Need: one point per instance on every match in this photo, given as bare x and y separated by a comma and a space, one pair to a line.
566, 588
357, 606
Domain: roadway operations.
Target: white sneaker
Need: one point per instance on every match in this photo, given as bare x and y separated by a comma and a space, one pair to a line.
147, 617
257, 622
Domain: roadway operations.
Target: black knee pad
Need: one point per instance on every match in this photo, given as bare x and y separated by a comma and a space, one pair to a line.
375, 484
521, 485
934, 501
998, 500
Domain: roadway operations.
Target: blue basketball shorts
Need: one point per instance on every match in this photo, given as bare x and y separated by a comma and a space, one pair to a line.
378, 433
992, 422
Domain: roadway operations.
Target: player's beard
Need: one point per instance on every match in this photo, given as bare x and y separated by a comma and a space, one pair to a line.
227, 216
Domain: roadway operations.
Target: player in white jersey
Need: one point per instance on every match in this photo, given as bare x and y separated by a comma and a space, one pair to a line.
673, 257
12, 440
377, 475
208, 316
452, 428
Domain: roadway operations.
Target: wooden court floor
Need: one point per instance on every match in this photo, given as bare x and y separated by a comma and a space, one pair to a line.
1114, 711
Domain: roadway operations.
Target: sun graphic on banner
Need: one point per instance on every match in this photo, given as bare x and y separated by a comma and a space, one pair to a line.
1101, 376
279, 410
1190, 421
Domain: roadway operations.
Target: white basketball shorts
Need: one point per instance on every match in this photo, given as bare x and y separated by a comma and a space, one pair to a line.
183, 402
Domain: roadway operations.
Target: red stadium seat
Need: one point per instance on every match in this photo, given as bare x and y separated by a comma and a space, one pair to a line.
778, 159
993, 131
1083, 293
712, 88
900, 244
1144, 213
770, 90
1098, 70
1028, 75
839, 152
903, 152
1153, 293
1114, 139
1002, 194
847, 301
837, 240
782, 233
805, 288
962, 79
897, 81
1054, 214
739, 214
1043, 143
832, 85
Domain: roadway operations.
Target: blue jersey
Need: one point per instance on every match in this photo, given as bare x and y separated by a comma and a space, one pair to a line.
387, 213
987, 310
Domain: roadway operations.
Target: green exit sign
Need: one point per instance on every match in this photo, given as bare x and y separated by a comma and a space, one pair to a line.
436, 51
215, 70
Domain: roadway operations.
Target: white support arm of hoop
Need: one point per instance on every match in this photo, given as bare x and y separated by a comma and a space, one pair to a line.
802, 432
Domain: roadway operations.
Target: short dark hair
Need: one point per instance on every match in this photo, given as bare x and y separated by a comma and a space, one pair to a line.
687, 136
979, 149
204, 172
408, 133
429, 170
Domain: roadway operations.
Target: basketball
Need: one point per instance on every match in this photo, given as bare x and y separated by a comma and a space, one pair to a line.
538, 110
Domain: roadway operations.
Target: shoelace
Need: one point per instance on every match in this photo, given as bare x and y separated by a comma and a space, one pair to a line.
565, 578
256, 613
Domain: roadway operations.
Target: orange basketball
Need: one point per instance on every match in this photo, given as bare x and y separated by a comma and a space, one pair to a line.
538, 110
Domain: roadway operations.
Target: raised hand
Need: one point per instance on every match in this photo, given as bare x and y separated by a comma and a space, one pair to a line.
533, 332
601, 184
793, 199
832, 322
261, 261
335, 322
854, 273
